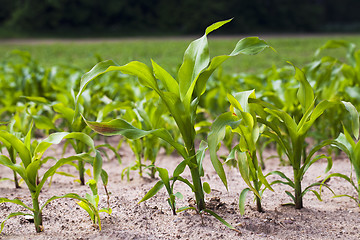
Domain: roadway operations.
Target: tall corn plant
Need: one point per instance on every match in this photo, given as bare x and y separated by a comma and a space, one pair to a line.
181, 97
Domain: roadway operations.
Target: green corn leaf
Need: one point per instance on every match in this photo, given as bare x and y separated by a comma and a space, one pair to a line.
343, 176
111, 148
331, 44
196, 59
316, 113
16, 201
14, 214
249, 46
282, 175
242, 98
289, 122
27, 140
343, 144
206, 187
169, 82
185, 209
164, 176
217, 133
242, 200
37, 99
66, 174
4, 160
146, 78
143, 72
219, 218
184, 180
69, 195
349, 196
121, 127
200, 83
216, 25
156, 188
290, 195
308, 188
197, 67
181, 116
32, 171
104, 177
42, 122
316, 194
56, 138
97, 166
305, 93
305, 116
19, 146
263, 179
52, 170
98, 69
6, 179
234, 102
89, 206
66, 112
356, 161
278, 138
180, 168
308, 162
243, 165
200, 155
354, 118
86, 207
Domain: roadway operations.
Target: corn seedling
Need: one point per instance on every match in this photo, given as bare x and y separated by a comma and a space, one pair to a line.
291, 135
242, 120
11, 151
181, 98
147, 114
31, 162
348, 143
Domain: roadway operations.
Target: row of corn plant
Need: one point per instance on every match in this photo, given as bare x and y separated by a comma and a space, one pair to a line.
31, 156
245, 117
173, 114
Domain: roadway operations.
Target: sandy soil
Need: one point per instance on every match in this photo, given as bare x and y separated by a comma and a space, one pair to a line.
64, 219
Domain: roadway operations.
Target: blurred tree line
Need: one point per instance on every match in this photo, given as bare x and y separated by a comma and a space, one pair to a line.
139, 17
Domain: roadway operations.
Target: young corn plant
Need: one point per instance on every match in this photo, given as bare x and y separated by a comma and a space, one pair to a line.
147, 114
62, 113
348, 142
242, 120
31, 162
180, 96
11, 150
291, 134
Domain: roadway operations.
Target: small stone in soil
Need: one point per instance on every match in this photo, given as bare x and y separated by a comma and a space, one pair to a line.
288, 221
29, 218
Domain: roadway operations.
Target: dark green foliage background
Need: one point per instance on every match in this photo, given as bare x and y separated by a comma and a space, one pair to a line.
144, 17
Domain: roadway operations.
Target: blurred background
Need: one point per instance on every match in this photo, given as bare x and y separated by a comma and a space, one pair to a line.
94, 18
